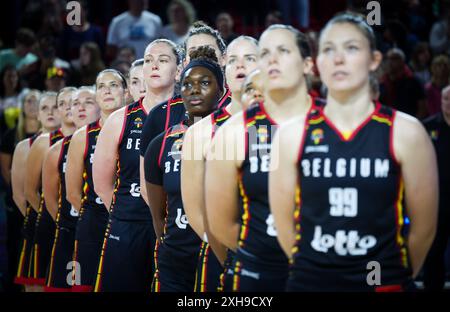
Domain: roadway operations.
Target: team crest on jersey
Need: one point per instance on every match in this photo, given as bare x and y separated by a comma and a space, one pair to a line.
434, 134
263, 134
177, 145
138, 122
317, 136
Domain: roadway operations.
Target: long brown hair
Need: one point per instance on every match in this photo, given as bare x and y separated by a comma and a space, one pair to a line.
89, 72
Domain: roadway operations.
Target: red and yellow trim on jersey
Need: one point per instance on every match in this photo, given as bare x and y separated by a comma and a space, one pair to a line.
52, 259
316, 120
134, 110
237, 276
382, 119
246, 215
298, 236
98, 279
84, 198
20, 269
203, 257
399, 223
176, 102
260, 115
156, 284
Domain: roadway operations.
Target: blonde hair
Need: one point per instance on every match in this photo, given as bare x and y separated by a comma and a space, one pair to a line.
21, 126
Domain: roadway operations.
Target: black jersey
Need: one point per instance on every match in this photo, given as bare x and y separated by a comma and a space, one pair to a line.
257, 236
44, 217
67, 215
160, 118
349, 206
90, 199
439, 132
168, 114
127, 203
218, 118
30, 216
164, 161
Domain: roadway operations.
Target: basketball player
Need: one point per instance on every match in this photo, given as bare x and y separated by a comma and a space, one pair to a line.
125, 263
110, 94
202, 84
84, 110
47, 110
172, 112
241, 219
342, 174
136, 80
241, 59
45, 226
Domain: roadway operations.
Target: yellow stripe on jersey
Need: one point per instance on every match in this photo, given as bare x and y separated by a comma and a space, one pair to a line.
176, 102
52, 259
22, 256
382, 120
347, 134
246, 216
298, 236
316, 121
400, 220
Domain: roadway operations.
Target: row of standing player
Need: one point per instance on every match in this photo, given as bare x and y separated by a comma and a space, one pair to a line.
244, 224
49, 265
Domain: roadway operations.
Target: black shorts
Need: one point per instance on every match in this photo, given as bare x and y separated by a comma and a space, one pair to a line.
23, 269
174, 273
59, 277
251, 275
209, 269
90, 233
44, 236
126, 259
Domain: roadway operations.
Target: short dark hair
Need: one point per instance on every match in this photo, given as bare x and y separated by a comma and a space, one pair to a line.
300, 38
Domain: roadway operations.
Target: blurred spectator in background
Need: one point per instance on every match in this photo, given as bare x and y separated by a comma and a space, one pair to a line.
52, 18
9, 98
225, 24
9, 87
21, 54
35, 75
438, 127
396, 35
399, 88
28, 124
440, 75
273, 17
74, 36
420, 62
181, 14
87, 66
295, 12
440, 33
56, 79
126, 54
135, 27
122, 66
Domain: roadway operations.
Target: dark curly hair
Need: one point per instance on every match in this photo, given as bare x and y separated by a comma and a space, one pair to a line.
200, 27
204, 53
